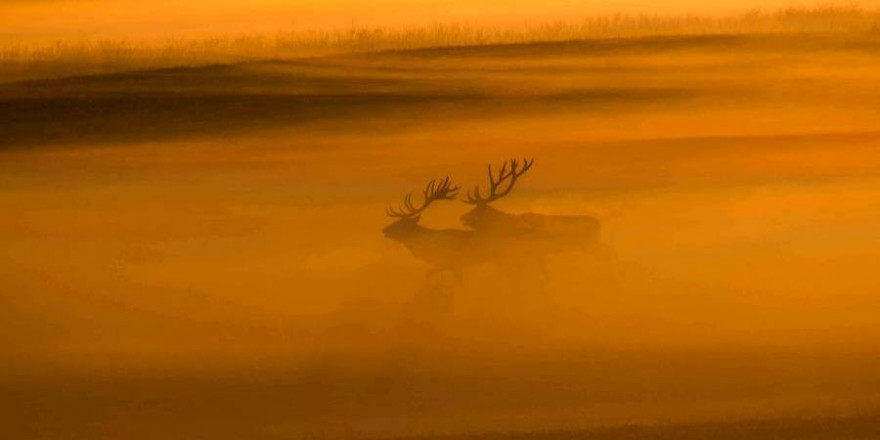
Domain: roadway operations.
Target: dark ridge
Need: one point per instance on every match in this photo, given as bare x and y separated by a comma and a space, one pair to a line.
72, 120
596, 46
599, 45
661, 43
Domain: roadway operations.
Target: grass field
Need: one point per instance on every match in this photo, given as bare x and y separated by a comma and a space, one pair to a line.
25, 56
195, 252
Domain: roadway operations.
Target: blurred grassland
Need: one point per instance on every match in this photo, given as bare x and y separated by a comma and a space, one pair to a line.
29, 58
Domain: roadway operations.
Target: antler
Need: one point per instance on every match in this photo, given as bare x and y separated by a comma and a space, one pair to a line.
434, 190
475, 198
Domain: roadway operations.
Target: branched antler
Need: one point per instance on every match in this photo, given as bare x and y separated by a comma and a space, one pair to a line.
434, 190
475, 198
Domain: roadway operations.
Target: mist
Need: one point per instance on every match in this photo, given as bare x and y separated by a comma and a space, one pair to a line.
199, 251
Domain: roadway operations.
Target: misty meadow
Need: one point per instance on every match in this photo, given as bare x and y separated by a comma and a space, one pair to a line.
619, 228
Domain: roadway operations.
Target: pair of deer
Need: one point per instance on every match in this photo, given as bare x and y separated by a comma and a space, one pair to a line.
494, 235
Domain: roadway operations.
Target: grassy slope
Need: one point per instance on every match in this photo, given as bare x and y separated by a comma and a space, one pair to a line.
371, 91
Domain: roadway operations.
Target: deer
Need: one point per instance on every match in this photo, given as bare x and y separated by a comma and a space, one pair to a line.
444, 249
532, 233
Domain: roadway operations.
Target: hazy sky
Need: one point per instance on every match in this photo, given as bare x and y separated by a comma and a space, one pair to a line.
130, 17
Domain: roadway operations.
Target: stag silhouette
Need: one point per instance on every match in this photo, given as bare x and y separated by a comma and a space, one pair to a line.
444, 249
531, 233
515, 244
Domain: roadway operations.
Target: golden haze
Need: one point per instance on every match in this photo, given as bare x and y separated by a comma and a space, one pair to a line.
195, 252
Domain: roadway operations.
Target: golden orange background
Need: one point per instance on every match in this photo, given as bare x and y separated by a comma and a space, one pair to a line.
190, 246
176, 17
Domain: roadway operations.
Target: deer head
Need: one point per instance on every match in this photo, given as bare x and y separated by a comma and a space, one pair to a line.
483, 216
408, 215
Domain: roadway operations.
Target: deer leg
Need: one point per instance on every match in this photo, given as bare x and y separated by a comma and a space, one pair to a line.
437, 294
434, 277
541, 268
513, 270
431, 273
459, 276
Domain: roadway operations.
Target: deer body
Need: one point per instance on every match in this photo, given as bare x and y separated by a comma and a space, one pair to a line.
443, 249
562, 232
527, 233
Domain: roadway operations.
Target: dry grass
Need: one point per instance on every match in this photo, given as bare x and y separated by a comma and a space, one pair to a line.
29, 59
